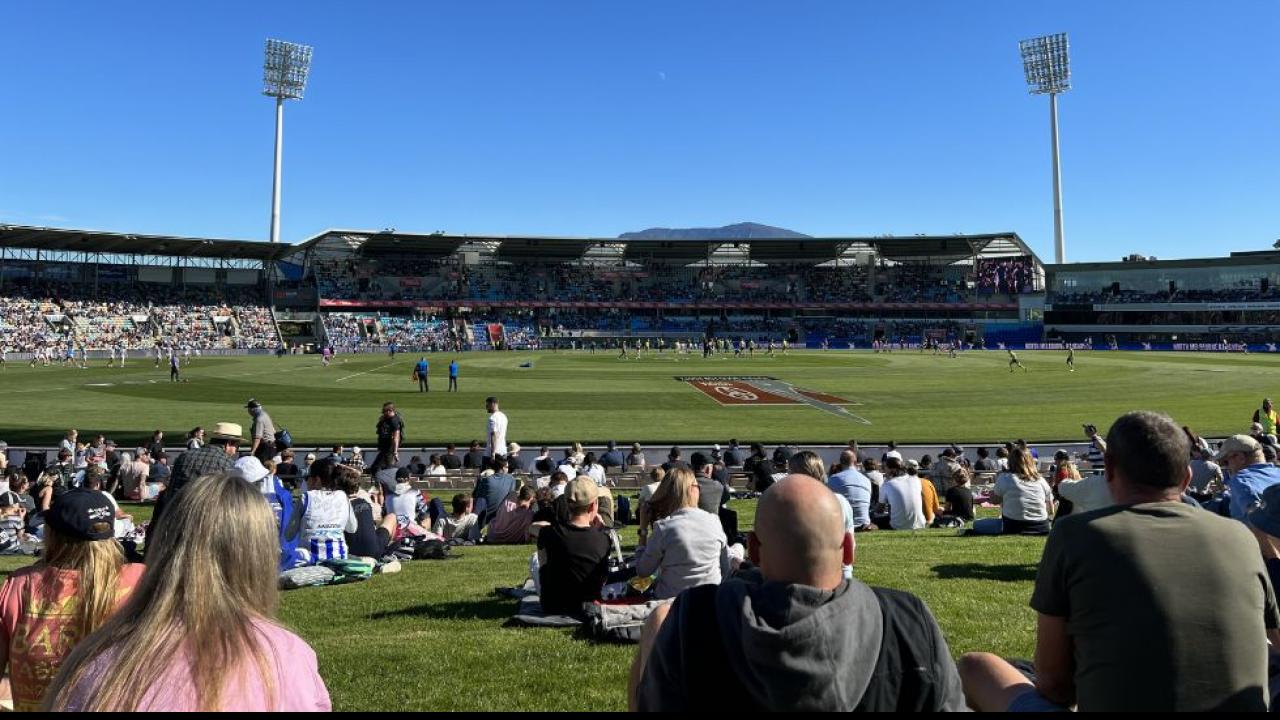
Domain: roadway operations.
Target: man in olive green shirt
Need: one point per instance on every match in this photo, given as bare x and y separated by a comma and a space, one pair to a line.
1146, 605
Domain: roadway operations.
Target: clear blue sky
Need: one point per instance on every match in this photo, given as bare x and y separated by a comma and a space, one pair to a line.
595, 118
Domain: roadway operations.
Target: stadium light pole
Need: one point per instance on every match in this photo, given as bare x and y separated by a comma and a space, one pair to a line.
1046, 62
284, 77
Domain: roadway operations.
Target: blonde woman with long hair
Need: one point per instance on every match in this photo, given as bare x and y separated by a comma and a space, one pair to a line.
77, 584
1025, 499
687, 546
199, 632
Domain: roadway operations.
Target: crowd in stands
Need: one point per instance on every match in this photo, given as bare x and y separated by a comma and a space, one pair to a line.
1251, 293
1005, 275
1155, 589
135, 317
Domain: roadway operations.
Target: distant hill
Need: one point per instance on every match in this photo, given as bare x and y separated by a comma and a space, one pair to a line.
738, 231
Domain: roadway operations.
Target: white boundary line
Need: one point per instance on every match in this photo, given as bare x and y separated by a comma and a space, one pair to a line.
366, 372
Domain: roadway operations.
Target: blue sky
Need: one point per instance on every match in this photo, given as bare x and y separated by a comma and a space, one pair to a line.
595, 118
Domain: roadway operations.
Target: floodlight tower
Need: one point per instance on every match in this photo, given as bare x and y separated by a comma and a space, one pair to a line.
1046, 63
284, 77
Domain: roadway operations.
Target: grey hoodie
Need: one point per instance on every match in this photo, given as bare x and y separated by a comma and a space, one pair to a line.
790, 647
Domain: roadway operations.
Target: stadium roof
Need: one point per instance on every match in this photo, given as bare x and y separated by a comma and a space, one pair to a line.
93, 241
947, 248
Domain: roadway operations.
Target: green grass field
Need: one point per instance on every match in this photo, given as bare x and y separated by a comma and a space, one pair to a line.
431, 637
908, 397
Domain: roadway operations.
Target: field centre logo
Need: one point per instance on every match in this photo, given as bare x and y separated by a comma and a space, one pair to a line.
762, 390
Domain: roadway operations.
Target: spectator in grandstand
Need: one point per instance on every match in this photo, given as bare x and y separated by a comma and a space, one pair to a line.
390, 429
756, 457
437, 468
496, 429
687, 547
1267, 417
510, 525
1248, 473
450, 459
854, 487
575, 452
514, 463
357, 459
216, 457
749, 638
613, 457
474, 459
155, 448
490, 491
636, 460
901, 491
984, 463
214, 577
1111, 637
733, 456
673, 460
573, 556
327, 518
82, 572
262, 433
1002, 459
713, 494
69, 441
1025, 499
593, 469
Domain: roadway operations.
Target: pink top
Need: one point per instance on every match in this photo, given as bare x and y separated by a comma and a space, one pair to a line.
292, 670
37, 605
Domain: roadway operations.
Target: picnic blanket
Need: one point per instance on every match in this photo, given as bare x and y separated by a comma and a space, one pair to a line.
607, 621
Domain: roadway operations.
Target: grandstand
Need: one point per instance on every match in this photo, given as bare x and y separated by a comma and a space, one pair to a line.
102, 292
525, 292
1225, 301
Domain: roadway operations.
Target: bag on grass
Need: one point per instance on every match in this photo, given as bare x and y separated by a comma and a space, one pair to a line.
348, 570
309, 576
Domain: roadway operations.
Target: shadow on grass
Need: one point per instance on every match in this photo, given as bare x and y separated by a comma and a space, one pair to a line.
494, 608
979, 571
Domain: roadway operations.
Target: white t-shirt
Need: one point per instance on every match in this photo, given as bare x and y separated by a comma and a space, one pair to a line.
328, 516
497, 430
596, 472
1023, 499
1089, 493
905, 502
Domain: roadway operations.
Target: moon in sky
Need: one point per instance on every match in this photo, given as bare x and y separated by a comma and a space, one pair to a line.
662, 76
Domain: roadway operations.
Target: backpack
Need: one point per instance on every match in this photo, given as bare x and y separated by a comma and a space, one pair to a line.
284, 440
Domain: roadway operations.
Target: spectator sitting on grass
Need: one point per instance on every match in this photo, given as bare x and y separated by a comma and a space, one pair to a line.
82, 572
437, 468
929, 504
644, 509
985, 464
902, 494
327, 519
371, 539
450, 459
854, 487
592, 467
871, 469
200, 624
474, 459
756, 457
1148, 605
1025, 499
510, 525
796, 635
687, 547
673, 460
959, 501
406, 503
490, 491
568, 465
573, 556
457, 524
613, 457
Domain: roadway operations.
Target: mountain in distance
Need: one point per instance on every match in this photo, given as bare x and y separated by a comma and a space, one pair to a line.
737, 231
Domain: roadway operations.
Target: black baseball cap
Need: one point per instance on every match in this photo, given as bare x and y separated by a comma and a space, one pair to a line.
83, 514
252, 404
9, 498
698, 461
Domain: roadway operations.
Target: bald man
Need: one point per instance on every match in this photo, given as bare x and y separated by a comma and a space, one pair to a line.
794, 634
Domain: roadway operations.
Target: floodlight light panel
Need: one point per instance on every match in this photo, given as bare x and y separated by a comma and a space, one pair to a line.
1046, 63
285, 69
